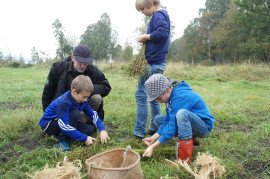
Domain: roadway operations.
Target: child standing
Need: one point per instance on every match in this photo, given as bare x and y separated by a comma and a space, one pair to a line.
186, 114
61, 118
157, 40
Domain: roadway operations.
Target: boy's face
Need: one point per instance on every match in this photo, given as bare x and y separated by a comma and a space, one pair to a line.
164, 98
81, 97
148, 11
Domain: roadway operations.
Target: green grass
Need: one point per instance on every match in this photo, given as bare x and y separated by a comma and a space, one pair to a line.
238, 96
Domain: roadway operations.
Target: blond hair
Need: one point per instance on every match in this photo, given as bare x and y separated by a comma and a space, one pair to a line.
140, 4
81, 84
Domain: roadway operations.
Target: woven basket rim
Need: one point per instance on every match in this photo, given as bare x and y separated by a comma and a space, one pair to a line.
113, 169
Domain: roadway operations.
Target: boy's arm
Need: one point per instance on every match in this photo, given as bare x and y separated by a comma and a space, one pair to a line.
94, 117
149, 151
143, 38
162, 27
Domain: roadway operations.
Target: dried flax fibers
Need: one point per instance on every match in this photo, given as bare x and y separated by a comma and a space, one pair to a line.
205, 166
63, 170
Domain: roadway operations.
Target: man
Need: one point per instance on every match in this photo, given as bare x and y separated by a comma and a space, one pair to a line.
62, 73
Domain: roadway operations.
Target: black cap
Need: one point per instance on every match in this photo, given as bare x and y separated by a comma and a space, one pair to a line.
82, 54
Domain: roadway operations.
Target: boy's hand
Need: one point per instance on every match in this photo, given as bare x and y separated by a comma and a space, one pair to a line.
148, 141
90, 140
104, 136
143, 38
148, 152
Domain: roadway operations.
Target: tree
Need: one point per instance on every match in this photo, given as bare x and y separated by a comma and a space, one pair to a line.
253, 17
100, 38
64, 48
1, 56
34, 55
128, 52
9, 58
117, 53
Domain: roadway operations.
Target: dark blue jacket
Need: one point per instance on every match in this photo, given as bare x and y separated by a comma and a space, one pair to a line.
61, 107
182, 97
159, 30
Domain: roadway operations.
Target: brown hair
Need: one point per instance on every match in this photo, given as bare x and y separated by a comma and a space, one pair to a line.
82, 83
140, 4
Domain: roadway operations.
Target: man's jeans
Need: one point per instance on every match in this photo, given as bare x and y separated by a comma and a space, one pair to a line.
142, 104
188, 123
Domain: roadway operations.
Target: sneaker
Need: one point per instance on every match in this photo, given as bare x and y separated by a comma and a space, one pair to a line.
150, 132
63, 147
133, 136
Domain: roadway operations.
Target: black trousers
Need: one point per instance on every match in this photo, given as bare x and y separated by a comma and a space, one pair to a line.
54, 129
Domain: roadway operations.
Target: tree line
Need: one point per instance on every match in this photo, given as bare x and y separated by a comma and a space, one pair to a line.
226, 31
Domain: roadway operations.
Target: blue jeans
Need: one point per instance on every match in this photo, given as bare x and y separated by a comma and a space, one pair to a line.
188, 123
142, 104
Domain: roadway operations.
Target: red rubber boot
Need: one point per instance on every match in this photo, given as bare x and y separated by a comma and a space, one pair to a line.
184, 150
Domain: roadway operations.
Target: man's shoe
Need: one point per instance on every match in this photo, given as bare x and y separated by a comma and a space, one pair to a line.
150, 132
133, 136
63, 147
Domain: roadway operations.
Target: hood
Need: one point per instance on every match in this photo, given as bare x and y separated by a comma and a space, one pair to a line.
181, 85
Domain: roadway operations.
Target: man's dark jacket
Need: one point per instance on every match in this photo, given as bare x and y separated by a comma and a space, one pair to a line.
56, 83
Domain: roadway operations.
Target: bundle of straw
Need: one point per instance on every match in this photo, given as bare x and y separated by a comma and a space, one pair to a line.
63, 169
205, 166
137, 66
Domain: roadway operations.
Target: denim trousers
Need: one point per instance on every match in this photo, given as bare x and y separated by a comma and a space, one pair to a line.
54, 129
188, 124
142, 104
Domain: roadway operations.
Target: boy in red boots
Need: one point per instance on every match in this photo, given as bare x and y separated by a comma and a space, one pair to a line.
186, 114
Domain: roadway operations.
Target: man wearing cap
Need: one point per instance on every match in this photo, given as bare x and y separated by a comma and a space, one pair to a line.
187, 116
62, 73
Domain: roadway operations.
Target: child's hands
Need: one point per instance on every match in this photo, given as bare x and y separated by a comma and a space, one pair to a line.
143, 38
148, 141
104, 136
148, 152
90, 140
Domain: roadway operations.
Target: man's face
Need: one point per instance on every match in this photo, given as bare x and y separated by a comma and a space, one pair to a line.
79, 67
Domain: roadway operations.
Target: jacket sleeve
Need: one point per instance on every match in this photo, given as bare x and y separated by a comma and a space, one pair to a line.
161, 29
101, 84
94, 117
49, 88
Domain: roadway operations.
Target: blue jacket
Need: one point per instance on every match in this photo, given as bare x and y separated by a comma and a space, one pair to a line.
159, 30
182, 97
60, 108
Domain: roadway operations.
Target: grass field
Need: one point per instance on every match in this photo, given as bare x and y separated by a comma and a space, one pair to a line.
238, 97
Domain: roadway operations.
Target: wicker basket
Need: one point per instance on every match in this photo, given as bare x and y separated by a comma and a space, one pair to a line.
111, 165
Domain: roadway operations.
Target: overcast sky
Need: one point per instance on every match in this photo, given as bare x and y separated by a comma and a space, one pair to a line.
28, 23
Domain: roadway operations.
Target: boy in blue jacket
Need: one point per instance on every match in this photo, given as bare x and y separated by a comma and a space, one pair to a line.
186, 114
61, 117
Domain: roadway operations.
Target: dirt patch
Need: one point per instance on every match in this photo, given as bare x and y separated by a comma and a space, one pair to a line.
111, 128
13, 105
25, 143
9, 105
256, 166
257, 114
232, 127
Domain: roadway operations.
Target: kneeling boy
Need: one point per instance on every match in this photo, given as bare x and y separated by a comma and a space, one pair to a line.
186, 114
61, 118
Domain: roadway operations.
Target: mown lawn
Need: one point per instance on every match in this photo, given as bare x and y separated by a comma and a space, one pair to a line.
238, 96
